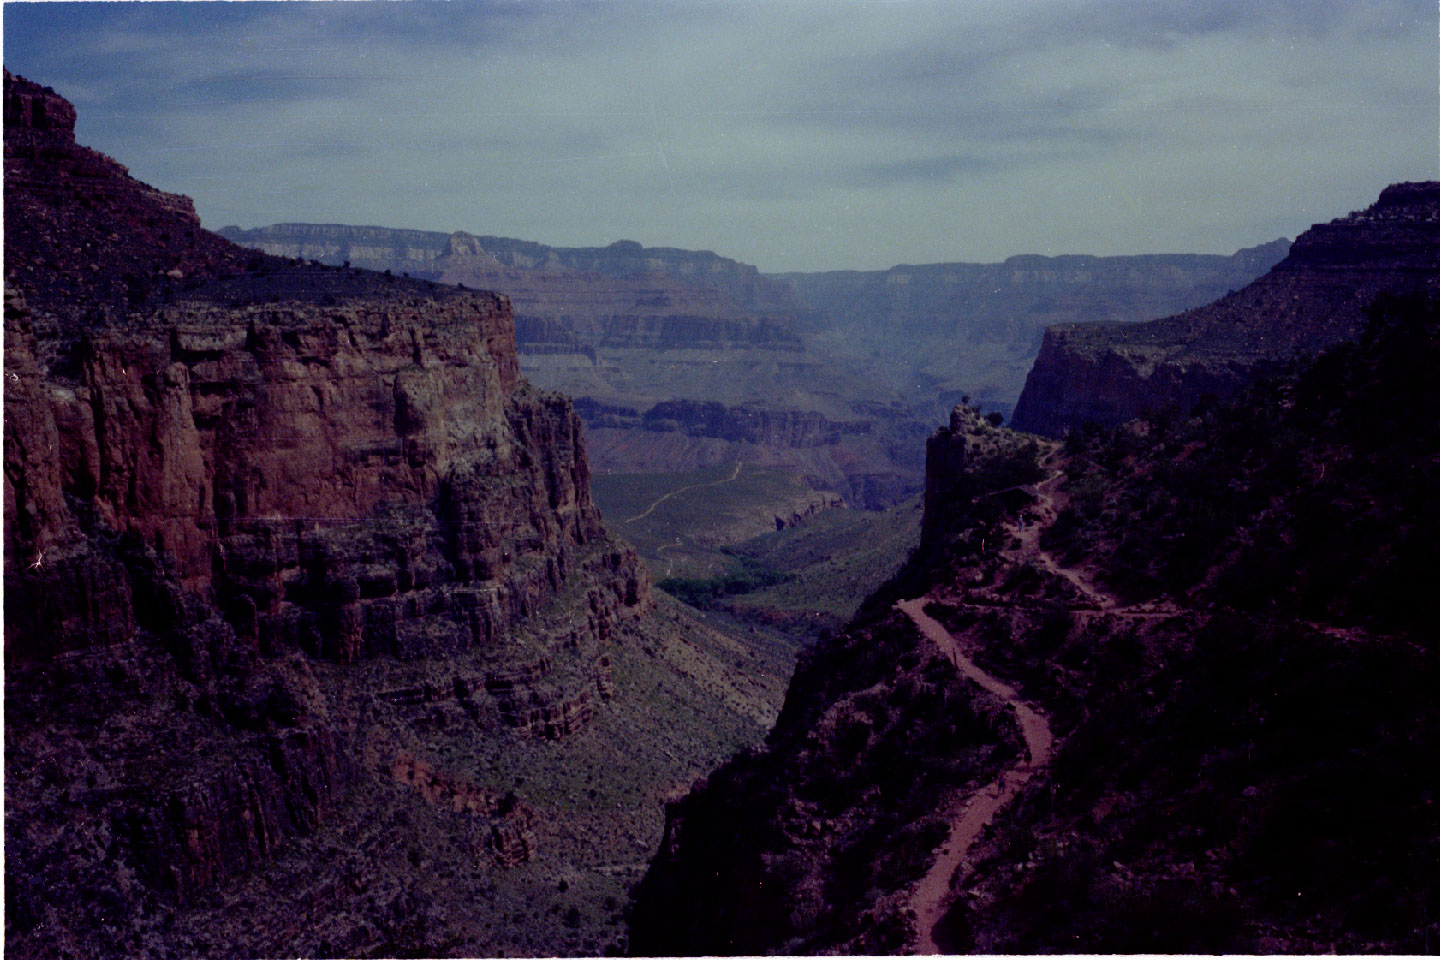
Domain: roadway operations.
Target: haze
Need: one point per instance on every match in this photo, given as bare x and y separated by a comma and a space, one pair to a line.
796, 136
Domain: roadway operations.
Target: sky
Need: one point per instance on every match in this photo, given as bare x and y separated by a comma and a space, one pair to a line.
791, 134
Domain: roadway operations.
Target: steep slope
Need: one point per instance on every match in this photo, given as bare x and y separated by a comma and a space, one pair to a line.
297, 567
1315, 297
678, 359
973, 328
1219, 617
814, 843
1255, 777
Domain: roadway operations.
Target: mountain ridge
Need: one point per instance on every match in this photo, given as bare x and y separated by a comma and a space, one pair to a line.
1312, 299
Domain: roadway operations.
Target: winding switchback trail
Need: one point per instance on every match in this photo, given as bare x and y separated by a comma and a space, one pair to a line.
1048, 503
694, 486
930, 895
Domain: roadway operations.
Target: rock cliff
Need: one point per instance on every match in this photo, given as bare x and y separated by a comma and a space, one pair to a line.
1315, 297
974, 328
258, 515
629, 327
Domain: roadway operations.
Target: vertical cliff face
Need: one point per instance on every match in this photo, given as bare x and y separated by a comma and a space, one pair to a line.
226, 477
1109, 373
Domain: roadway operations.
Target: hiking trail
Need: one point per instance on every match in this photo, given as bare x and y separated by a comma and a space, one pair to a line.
694, 486
930, 896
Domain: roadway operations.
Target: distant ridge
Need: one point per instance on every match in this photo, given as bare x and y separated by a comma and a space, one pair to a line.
943, 329
1109, 373
451, 256
974, 328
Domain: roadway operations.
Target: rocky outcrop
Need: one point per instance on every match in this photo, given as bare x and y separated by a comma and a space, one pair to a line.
511, 835
973, 328
800, 515
228, 481
1109, 373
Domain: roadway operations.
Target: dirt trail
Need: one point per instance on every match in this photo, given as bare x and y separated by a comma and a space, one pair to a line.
1049, 502
694, 486
930, 896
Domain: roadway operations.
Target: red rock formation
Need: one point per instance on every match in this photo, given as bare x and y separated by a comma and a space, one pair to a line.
221, 468
1316, 297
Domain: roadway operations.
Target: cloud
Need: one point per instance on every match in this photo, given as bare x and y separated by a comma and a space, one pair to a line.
925, 169
796, 135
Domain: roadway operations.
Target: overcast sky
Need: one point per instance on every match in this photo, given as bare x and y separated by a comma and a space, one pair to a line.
791, 135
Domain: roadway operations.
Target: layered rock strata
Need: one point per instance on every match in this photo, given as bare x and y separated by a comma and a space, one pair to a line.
535, 275
230, 483
1109, 373
974, 328
708, 344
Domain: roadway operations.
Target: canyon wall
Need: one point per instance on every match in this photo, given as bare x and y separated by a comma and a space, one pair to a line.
974, 328
618, 271
1108, 373
709, 345
240, 495
626, 326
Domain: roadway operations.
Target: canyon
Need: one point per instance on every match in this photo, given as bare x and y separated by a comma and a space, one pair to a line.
855, 365
318, 643
314, 635
1187, 649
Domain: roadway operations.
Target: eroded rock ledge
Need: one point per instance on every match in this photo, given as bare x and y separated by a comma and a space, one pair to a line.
1109, 373
230, 482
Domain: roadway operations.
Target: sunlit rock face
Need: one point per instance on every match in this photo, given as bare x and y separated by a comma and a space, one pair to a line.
231, 482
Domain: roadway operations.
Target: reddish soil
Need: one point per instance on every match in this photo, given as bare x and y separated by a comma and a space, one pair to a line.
929, 897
